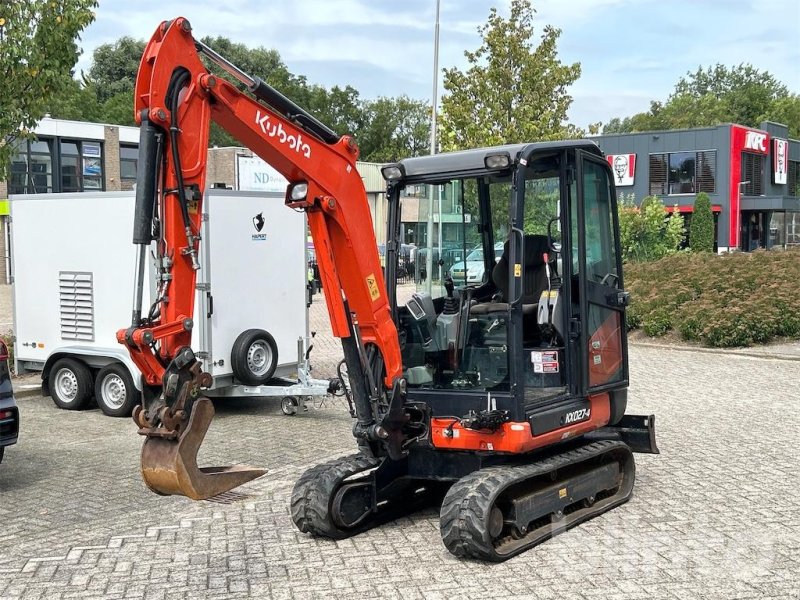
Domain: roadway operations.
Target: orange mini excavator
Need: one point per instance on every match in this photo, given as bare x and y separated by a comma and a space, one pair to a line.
497, 387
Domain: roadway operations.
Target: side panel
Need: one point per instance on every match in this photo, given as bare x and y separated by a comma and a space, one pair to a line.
85, 233
257, 271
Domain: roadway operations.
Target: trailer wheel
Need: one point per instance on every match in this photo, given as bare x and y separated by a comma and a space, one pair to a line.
70, 383
114, 390
254, 357
289, 405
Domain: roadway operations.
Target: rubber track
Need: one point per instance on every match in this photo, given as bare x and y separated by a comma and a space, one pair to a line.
465, 508
311, 496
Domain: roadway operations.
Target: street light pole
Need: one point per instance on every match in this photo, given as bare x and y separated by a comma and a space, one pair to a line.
434, 103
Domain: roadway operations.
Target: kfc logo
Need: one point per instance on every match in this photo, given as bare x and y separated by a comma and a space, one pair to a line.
780, 160
624, 167
755, 141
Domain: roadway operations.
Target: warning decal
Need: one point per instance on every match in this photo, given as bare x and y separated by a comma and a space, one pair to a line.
372, 285
545, 362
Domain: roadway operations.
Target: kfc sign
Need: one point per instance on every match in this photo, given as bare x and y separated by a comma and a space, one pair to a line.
754, 140
624, 167
780, 160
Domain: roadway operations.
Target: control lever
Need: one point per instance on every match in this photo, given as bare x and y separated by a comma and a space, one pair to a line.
450, 303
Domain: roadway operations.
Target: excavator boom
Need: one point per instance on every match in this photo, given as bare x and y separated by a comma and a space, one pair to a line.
176, 99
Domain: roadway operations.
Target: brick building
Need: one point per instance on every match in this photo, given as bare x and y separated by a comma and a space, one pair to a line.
76, 156
68, 156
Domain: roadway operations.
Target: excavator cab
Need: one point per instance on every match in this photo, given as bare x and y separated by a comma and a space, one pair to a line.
525, 302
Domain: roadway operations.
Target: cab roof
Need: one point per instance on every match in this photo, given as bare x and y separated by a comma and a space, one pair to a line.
464, 162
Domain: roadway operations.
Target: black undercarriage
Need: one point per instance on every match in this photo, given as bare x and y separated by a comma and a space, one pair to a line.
492, 506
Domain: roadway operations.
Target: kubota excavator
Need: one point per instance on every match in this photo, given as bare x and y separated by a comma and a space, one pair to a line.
499, 385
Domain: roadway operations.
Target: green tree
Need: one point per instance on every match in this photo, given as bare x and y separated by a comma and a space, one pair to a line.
76, 100
387, 128
394, 128
262, 62
114, 68
37, 53
718, 94
648, 232
701, 230
512, 91
785, 110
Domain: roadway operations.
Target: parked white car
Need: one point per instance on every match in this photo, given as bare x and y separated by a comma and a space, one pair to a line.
472, 270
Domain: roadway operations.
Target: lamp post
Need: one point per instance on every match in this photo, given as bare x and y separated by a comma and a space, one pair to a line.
434, 103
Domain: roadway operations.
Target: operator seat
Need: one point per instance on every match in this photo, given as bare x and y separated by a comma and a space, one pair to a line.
534, 281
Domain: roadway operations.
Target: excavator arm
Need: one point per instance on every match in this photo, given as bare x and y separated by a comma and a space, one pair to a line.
176, 99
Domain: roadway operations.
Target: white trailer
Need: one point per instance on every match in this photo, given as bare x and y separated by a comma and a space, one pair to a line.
72, 267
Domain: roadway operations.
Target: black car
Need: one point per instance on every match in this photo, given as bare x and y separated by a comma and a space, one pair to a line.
9, 413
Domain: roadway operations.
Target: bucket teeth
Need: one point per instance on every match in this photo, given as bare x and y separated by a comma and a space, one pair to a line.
169, 467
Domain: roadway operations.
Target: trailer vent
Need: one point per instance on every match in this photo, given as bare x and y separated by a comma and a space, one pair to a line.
76, 296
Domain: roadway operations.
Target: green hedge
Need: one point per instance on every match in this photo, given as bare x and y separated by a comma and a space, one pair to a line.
723, 301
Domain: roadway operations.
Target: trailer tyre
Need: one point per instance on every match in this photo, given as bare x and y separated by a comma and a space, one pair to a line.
70, 383
114, 390
254, 357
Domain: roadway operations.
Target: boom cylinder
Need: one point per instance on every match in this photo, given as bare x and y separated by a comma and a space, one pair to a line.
151, 140
264, 91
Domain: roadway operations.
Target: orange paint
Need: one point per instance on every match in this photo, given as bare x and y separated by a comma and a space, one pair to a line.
516, 438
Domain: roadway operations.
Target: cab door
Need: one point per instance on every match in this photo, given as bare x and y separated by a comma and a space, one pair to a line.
601, 294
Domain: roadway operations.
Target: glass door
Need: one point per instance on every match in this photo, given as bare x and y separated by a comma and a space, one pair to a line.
602, 298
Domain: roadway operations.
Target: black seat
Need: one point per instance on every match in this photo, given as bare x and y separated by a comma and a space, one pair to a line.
534, 281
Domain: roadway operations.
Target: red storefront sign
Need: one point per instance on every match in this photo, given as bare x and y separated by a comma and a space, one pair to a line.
743, 139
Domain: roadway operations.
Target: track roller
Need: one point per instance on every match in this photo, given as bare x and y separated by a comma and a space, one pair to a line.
498, 512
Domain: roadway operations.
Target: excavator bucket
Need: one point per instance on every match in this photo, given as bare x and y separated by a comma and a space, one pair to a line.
169, 466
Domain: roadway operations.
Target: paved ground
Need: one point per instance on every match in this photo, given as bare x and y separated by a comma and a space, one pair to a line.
716, 515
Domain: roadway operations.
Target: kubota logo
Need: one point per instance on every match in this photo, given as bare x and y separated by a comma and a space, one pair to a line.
756, 141
294, 142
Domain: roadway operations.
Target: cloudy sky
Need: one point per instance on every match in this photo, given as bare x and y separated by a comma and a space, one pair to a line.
631, 51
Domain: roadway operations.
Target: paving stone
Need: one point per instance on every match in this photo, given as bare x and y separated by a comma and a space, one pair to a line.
716, 515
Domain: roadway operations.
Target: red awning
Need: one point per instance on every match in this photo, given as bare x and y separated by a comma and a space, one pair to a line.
690, 208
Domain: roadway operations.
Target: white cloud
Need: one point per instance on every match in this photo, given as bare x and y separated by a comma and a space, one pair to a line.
632, 51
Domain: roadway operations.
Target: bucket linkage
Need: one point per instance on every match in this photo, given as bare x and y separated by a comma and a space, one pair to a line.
174, 426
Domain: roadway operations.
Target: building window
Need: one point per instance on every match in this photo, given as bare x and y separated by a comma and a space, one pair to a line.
92, 155
128, 162
676, 173
793, 179
658, 174
81, 166
32, 168
793, 228
777, 230
70, 167
707, 171
753, 173
681, 173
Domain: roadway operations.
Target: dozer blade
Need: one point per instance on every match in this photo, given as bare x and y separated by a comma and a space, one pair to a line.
169, 466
